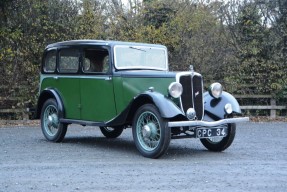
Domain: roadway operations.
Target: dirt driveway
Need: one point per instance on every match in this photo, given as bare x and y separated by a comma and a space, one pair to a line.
86, 161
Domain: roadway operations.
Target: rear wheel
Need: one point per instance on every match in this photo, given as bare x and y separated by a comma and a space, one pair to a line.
150, 132
111, 132
51, 127
220, 143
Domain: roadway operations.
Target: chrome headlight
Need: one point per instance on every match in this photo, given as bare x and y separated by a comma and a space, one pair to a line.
175, 89
215, 90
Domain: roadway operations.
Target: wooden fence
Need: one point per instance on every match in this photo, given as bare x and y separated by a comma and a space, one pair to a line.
13, 112
271, 106
12, 106
24, 114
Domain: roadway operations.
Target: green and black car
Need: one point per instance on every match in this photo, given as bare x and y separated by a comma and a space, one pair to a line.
117, 85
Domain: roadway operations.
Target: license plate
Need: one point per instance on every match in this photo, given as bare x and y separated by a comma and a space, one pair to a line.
207, 132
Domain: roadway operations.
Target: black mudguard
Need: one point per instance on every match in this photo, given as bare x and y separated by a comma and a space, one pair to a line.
47, 94
167, 108
214, 108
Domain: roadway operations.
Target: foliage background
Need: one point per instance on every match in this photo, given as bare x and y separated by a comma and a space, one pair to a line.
240, 43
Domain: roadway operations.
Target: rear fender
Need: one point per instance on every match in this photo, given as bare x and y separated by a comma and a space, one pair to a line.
48, 94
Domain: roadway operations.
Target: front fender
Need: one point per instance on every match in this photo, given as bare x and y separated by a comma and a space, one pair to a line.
214, 108
166, 107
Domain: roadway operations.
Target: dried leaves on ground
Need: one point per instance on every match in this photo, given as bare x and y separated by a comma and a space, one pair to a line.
19, 123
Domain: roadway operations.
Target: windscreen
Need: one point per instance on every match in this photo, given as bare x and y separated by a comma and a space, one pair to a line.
140, 57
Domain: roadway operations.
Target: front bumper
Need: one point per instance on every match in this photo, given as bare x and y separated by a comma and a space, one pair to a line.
207, 123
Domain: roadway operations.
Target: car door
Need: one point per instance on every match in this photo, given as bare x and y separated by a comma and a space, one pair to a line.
97, 92
67, 82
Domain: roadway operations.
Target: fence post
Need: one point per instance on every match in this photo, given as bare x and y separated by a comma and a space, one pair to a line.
273, 110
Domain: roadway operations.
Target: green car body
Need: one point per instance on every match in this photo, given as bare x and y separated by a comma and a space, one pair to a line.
117, 85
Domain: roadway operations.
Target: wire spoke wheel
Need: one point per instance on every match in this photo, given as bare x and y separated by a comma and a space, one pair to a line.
112, 132
51, 126
51, 121
220, 143
150, 132
215, 139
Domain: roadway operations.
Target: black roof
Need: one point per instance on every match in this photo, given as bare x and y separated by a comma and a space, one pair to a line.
99, 42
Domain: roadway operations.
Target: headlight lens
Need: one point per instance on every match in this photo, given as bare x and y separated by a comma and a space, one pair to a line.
175, 89
215, 90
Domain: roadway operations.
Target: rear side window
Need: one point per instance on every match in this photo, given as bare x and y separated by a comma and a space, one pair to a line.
96, 61
69, 60
50, 62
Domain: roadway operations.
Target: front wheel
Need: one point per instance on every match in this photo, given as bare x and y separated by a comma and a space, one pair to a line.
220, 143
51, 127
150, 132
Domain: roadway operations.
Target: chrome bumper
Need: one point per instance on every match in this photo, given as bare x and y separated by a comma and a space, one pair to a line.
207, 123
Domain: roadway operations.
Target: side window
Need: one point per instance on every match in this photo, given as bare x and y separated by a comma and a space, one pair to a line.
96, 61
50, 62
69, 60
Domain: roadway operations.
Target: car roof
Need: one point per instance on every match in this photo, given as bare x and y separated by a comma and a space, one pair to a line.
100, 42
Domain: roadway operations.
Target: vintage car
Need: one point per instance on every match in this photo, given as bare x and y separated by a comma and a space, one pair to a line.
117, 85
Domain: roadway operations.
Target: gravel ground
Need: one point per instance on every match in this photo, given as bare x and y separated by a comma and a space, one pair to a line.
86, 161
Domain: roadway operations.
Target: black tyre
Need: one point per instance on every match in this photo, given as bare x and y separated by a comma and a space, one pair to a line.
218, 144
51, 127
150, 132
111, 132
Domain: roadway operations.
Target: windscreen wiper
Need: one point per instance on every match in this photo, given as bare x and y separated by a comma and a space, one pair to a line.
137, 49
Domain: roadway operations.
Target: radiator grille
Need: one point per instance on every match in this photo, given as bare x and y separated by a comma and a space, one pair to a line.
192, 95
186, 99
197, 96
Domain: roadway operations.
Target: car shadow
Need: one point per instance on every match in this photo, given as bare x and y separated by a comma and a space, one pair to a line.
127, 147
193, 152
117, 144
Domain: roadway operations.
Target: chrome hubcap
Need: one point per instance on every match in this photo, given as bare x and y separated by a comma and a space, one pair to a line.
53, 120
149, 130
